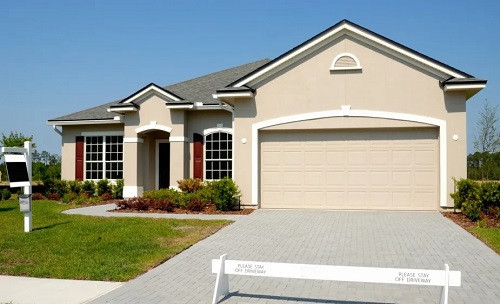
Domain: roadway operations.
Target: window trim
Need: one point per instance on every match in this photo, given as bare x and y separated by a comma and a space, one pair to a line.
208, 132
103, 161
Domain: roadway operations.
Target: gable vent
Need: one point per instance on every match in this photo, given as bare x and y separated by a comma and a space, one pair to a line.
345, 61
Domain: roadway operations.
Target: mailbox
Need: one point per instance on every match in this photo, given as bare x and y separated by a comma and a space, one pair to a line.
25, 202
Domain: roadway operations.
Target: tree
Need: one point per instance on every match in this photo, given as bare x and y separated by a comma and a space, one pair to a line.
15, 140
488, 140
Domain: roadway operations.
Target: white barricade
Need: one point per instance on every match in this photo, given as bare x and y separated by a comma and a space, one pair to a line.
223, 267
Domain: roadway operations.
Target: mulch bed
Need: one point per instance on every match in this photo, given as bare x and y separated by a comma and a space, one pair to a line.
185, 211
464, 222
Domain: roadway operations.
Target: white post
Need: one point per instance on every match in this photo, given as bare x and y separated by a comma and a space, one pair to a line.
444, 289
27, 189
222, 282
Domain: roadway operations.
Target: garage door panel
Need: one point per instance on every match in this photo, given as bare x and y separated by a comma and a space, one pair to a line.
368, 169
358, 178
336, 178
402, 157
380, 178
402, 199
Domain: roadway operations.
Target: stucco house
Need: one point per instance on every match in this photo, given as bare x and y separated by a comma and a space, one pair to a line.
349, 119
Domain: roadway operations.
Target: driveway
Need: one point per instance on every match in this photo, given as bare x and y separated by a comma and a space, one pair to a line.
424, 240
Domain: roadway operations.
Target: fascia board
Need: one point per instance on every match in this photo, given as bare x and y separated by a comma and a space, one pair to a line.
354, 31
148, 89
84, 122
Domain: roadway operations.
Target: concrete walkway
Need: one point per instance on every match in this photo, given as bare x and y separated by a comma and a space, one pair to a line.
23, 290
423, 240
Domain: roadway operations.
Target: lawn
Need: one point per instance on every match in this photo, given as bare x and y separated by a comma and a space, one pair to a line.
489, 236
91, 248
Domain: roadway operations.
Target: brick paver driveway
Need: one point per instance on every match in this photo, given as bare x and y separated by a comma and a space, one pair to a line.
377, 239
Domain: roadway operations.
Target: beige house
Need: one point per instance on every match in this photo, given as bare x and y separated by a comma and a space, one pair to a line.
347, 120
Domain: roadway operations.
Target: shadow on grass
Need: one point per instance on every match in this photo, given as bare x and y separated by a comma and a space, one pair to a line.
5, 209
51, 226
294, 299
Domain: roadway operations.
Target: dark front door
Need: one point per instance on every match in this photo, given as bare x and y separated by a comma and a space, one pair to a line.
163, 165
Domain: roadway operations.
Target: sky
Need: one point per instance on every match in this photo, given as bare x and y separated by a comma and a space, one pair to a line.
59, 57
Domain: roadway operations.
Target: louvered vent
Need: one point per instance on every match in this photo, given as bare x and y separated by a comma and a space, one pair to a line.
345, 61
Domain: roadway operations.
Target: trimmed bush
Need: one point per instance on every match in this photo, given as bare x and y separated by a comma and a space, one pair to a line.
226, 194
68, 198
103, 186
465, 188
75, 186
6, 195
471, 208
169, 195
190, 185
118, 188
37, 196
489, 194
88, 187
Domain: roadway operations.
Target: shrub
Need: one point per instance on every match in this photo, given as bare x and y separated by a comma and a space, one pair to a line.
105, 197
162, 205
37, 196
88, 187
465, 188
68, 197
489, 194
53, 196
75, 186
190, 185
494, 212
226, 193
82, 198
471, 207
6, 195
103, 186
196, 205
118, 189
169, 195
60, 187
136, 203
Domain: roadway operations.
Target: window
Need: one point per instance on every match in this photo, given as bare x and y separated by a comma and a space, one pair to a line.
104, 157
218, 155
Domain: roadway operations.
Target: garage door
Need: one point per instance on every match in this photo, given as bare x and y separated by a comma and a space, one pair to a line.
391, 169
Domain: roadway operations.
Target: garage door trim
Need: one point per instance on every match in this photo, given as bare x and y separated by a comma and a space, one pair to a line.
346, 112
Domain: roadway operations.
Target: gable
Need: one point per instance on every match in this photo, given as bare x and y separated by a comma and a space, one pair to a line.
346, 28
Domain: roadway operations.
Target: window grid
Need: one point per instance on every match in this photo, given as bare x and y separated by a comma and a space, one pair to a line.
218, 155
104, 157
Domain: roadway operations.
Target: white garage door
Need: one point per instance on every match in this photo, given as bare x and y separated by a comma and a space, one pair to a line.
392, 169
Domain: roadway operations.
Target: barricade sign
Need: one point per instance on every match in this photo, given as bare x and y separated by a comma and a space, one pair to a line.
423, 277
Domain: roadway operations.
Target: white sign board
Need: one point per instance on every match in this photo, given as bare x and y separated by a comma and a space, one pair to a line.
17, 170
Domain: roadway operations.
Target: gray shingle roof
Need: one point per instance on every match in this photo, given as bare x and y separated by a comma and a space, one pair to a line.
199, 89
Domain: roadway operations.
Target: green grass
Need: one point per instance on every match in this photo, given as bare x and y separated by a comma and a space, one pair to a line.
489, 236
90, 248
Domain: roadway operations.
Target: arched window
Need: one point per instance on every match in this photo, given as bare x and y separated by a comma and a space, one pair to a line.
218, 155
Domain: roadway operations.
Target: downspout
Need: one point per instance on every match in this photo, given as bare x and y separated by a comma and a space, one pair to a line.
57, 130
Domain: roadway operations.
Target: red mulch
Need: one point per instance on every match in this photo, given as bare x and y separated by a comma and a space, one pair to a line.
465, 223
185, 211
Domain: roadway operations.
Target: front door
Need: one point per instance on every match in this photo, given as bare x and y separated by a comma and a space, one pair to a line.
163, 168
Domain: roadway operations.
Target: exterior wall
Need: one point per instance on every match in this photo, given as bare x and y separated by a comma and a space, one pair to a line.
384, 84
198, 122
68, 144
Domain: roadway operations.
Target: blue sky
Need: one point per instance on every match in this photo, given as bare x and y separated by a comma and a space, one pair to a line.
59, 57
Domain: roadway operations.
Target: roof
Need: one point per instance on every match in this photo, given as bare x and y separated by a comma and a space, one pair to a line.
195, 90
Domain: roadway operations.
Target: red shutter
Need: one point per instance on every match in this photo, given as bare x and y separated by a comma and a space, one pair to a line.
197, 156
79, 158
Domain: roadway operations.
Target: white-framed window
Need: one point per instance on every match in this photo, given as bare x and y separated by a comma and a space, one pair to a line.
218, 155
104, 157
